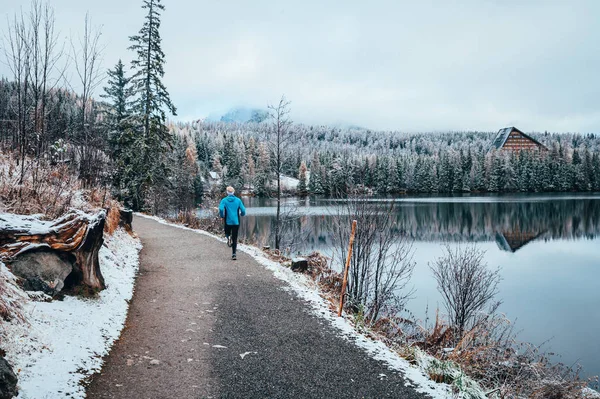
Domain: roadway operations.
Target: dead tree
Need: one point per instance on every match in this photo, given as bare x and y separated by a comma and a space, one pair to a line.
44, 75
87, 57
32, 52
278, 141
18, 56
76, 232
381, 264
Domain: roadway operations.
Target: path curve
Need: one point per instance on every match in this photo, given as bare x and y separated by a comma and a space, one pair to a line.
203, 326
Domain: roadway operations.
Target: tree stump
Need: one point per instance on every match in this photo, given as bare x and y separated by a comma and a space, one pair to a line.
76, 232
126, 219
299, 265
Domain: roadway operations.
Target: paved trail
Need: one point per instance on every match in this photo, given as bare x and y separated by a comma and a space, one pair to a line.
194, 312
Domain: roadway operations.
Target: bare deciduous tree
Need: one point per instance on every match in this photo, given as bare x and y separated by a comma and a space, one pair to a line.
44, 75
381, 265
17, 58
32, 52
466, 284
279, 139
87, 57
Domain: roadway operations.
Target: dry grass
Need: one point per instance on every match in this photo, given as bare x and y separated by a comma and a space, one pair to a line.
557, 390
319, 268
113, 218
10, 302
45, 189
489, 353
188, 219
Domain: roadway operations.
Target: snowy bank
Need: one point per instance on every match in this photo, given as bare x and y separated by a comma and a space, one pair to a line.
306, 289
64, 341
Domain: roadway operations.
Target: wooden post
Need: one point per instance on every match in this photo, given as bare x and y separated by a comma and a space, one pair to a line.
346, 268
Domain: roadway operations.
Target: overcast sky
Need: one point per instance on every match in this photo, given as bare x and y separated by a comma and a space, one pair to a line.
402, 65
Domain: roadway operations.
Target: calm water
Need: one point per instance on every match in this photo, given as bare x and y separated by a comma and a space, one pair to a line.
547, 246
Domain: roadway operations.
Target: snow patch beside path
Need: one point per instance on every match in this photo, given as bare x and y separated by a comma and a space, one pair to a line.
306, 289
66, 340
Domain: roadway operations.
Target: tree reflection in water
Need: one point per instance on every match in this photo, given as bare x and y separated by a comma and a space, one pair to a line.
511, 224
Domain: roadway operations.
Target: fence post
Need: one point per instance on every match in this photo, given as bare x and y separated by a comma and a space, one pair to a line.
345, 282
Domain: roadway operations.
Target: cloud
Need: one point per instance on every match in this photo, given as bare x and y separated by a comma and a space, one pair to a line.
431, 65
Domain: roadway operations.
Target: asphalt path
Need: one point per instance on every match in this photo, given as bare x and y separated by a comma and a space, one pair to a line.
203, 326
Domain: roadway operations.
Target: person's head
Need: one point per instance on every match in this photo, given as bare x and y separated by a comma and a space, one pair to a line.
230, 190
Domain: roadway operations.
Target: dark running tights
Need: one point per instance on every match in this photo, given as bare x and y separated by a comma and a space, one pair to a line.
232, 230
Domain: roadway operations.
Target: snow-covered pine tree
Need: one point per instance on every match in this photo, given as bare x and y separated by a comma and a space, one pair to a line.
118, 94
302, 190
315, 183
263, 167
382, 175
151, 101
494, 181
399, 177
596, 171
250, 166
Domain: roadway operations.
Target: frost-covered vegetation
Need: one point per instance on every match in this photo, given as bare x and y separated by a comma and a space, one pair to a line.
49, 122
344, 159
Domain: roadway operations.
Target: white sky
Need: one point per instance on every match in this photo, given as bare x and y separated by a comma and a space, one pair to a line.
406, 65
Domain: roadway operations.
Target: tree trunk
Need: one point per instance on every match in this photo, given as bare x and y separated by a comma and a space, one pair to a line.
76, 232
278, 216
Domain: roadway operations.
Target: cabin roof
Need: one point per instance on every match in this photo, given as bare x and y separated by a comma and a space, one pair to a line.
503, 134
512, 244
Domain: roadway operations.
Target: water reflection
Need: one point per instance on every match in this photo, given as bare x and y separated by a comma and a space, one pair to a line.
511, 224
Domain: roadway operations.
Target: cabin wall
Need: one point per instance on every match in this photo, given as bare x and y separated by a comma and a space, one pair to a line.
517, 142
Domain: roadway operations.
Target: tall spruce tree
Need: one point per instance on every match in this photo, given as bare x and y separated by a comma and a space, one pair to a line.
151, 103
120, 139
118, 94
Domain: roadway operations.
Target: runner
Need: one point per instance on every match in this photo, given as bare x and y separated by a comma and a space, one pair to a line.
230, 209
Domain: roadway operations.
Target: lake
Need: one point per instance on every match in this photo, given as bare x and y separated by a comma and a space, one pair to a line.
547, 246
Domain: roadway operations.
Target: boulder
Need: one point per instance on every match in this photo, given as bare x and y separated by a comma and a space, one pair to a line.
43, 270
8, 380
299, 265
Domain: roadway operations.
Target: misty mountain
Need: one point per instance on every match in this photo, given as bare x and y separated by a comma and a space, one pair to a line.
241, 115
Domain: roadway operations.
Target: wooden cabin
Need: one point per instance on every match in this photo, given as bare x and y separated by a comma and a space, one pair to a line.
512, 139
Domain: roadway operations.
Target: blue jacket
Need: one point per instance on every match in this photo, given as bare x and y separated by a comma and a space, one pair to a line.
229, 208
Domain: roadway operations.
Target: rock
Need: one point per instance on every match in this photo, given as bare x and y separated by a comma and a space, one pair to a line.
299, 265
43, 270
155, 362
8, 380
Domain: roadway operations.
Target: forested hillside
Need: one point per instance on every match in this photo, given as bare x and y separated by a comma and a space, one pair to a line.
340, 160
60, 116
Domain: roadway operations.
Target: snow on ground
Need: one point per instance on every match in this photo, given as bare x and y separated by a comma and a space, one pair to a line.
30, 223
66, 340
306, 289
288, 183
